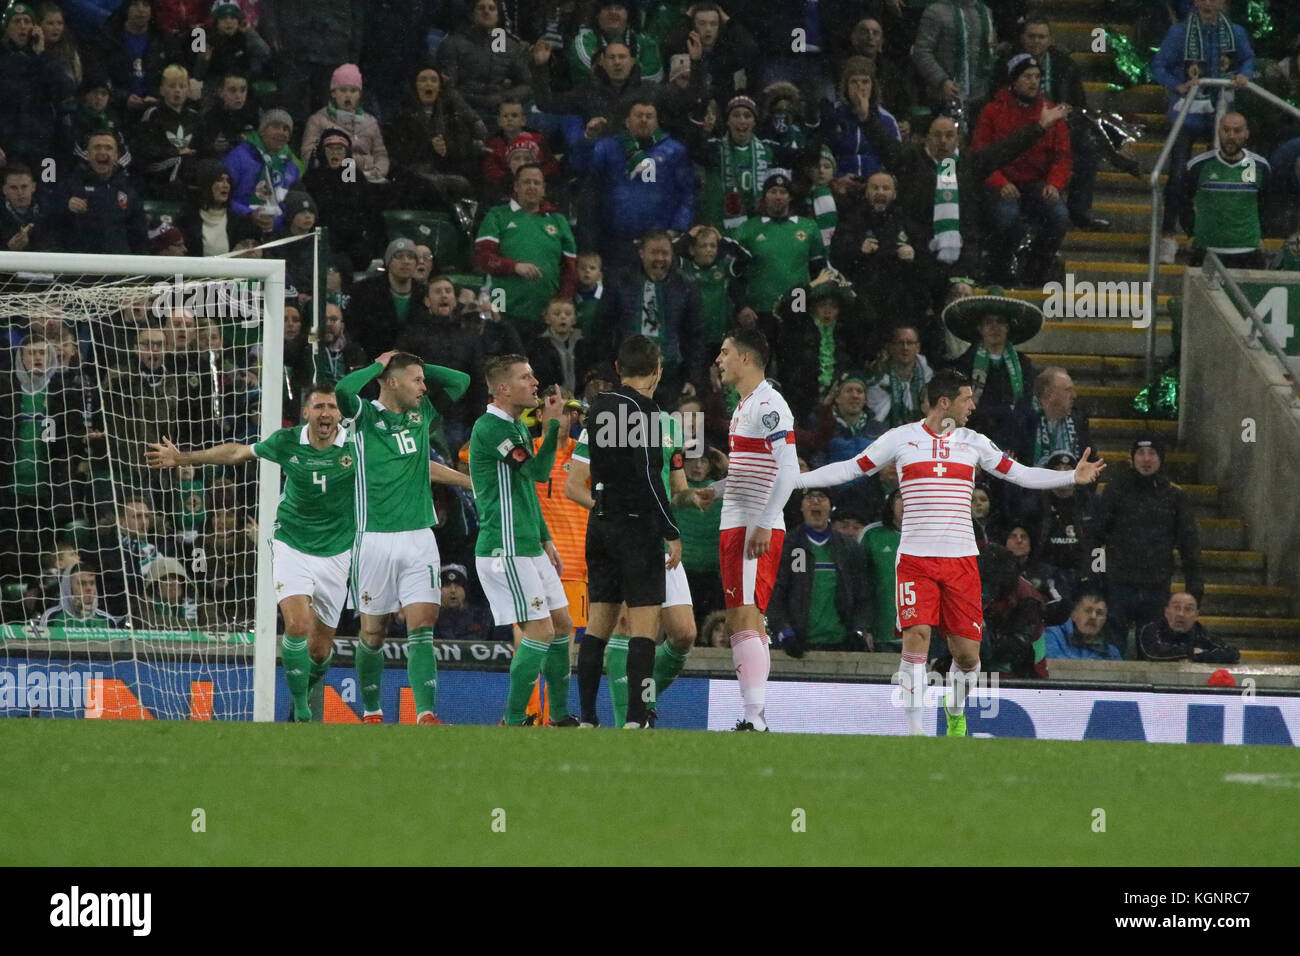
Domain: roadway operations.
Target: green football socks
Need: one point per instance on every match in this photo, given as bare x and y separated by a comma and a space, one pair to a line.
556, 670
669, 662
318, 670
370, 675
422, 669
525, 667
297, 663
616, 673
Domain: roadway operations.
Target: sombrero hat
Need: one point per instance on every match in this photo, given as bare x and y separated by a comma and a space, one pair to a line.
962, 317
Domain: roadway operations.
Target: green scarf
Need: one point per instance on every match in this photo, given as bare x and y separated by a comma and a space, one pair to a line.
274, 163
968, 72
634, 157
1051, 439
825, 212
980, 372
334, 112
1194, 44
739, 193
905, 397
946, 242
825, 354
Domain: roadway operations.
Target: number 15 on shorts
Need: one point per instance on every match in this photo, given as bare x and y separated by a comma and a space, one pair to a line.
906, 602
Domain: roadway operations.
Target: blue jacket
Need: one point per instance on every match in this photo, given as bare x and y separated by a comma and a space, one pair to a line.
244, 164
629, 207
1168, 67
620, 318
863, 147
1059, 644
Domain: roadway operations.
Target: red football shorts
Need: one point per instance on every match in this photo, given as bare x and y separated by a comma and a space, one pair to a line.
747, 580
942, 592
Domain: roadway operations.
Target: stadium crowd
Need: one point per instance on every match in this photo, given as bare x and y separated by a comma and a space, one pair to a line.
549, 178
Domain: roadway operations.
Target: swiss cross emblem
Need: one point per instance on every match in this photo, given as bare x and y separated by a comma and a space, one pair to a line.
940, 469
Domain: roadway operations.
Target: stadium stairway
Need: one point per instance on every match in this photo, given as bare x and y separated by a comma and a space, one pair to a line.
1104, 356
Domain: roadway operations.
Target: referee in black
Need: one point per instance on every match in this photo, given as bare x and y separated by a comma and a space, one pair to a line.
628, 530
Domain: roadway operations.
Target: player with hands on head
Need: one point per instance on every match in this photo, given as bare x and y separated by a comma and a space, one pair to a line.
395, 559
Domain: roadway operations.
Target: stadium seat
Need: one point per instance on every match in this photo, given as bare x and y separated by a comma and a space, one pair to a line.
433, 229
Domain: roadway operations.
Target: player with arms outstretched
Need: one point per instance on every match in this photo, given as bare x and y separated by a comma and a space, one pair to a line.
395, 560
763, 469
937, 578
518, 564
314, 530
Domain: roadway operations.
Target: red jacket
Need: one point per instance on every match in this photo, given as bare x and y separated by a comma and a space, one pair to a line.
1049, 160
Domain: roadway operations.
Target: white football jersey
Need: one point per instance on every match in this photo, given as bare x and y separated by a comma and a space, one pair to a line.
760, 421
936, 474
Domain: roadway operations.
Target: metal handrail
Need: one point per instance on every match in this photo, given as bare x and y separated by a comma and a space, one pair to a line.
1153, 253
1214, 270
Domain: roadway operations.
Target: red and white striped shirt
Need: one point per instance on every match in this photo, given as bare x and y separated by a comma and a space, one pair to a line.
937, 477
761, 423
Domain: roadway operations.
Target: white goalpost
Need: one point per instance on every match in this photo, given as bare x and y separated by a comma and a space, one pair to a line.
130, 593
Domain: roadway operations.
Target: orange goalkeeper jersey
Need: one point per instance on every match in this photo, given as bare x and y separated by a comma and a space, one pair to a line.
566, 520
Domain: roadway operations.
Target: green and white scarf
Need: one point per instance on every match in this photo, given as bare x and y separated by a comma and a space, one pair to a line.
905, 397
1053, 438
825, 354
946, 242
825, 213
969, 70
980, 372
736, 163
1194, 52
634, 157
334, 112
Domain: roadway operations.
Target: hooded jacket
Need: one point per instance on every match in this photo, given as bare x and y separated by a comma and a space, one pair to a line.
65, 613
1141, 520
349, 206
1049, 160
409, 134
362, 129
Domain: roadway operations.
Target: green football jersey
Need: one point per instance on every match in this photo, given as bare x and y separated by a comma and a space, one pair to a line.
1227, 201
505, 473
393, 493
781, 254
541, 238
315, 514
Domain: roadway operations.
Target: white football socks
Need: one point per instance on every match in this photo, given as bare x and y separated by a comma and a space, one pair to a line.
911, 681
750, 655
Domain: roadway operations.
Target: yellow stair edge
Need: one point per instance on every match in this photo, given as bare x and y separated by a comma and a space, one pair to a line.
1221, 559
1072, 358
1255, 623
1141, 89
1271, 657
1124, 326
1106, 391
1134, 424
1129, 268
1241, 590
1112, 178
1171, 458
1121, 207
1220, 522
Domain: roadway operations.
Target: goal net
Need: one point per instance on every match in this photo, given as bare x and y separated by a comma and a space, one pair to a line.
127, 592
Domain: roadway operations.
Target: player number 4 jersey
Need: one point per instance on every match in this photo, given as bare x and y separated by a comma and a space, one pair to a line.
760, 421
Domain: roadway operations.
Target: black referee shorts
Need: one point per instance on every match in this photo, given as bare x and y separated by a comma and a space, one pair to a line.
625, 562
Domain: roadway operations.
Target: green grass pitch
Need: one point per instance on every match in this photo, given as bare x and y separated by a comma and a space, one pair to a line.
99, 793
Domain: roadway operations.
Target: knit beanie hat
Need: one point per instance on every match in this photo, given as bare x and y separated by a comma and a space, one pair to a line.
1018, 64
349, 74
1149, 440
275, 116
